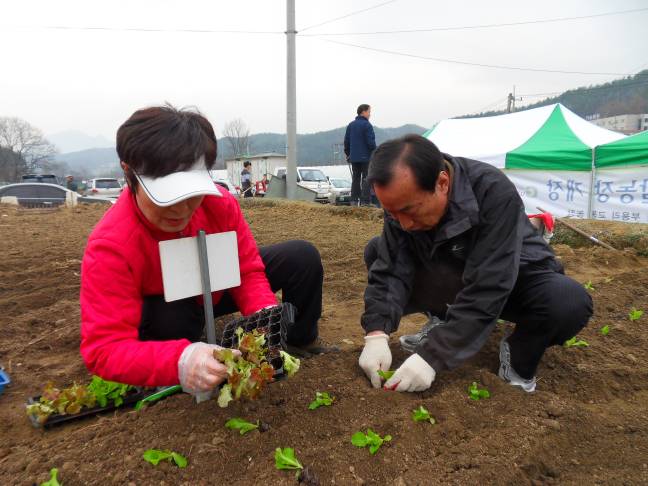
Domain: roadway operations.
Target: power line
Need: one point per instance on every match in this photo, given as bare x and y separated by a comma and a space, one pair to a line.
346, 15
466, 63
579, 91
481, 26
140, 29
492, 105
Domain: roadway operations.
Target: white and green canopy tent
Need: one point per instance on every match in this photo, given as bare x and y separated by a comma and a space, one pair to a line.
621, 187
547, 152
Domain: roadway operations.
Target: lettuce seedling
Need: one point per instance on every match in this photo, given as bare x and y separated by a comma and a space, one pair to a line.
575, 342
248, 373
635, 314
285, 459
243, 426
67, 401
370, 439
386, 375
321, 399
154, 456
422, 414
105, 390
588, 285
53, 480
290, 363
605, 330
476, 393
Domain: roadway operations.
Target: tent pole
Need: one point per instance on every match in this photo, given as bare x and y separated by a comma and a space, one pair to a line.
590, 204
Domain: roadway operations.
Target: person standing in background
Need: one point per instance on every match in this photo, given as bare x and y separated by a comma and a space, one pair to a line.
261, 186
359, 144
246, 179
71, 184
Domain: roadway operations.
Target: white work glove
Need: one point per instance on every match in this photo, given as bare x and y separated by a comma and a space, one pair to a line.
199, 372
375, 356
414, 375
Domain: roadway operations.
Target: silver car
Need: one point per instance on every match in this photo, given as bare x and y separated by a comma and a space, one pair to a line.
105, 186
340, 192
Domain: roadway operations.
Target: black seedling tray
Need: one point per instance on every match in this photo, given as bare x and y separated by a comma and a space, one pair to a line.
130, 399
274, 323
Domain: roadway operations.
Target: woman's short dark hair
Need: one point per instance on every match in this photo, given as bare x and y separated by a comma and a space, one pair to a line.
161, 140
414, 151
362, 108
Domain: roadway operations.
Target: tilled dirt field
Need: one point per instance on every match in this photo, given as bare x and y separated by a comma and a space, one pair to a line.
586, 424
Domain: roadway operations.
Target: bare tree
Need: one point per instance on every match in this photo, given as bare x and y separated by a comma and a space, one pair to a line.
237, 134
23, 148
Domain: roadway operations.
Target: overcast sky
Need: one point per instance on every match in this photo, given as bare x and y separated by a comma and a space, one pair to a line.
92, 80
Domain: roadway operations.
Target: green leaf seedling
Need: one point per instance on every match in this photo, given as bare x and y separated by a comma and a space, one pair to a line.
575, 343
635, 314
154, 456
285, 459
588, 285
476, 393
370, 439
53, 480
321, 399
243, 426
605, 330
422, 414
386, 375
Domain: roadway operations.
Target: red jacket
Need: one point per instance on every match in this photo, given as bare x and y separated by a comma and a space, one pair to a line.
121, 265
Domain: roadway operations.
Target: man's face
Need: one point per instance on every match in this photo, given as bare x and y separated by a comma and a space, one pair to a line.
414, 208
366, 113
170, 219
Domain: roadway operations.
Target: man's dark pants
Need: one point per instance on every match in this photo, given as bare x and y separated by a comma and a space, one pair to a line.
359, 185
294, 267
547, 307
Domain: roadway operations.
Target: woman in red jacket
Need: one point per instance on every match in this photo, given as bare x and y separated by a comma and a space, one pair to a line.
129, 333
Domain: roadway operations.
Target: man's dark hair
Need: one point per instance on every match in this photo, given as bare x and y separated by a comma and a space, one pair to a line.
362, 108
247, 163
414, 151
161, 140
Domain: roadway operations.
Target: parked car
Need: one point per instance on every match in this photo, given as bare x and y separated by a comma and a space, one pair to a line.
42, 195
40, 178
311, 178
220, 177
340, 192
104, 186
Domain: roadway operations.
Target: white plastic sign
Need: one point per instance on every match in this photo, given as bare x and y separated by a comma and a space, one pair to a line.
181, 265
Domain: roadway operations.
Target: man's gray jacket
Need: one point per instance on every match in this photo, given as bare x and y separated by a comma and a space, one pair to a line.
486, 235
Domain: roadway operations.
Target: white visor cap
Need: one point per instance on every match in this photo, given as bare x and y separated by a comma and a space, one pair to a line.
174, 188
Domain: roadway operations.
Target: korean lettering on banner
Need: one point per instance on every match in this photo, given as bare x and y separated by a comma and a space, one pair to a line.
556, 189
569, 195
627, 194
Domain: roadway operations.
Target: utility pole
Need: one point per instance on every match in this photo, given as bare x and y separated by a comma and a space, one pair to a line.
291, 103
510, 102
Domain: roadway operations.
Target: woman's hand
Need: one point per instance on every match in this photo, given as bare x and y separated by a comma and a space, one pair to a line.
198, 370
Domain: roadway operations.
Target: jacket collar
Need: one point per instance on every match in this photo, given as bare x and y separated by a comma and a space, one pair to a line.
463, 209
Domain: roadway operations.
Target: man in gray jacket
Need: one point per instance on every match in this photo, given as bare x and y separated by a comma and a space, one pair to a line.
457, 244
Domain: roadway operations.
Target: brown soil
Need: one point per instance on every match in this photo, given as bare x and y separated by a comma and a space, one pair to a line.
586, 424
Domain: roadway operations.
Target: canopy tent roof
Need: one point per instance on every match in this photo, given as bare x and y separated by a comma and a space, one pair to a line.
628, 151
546, 138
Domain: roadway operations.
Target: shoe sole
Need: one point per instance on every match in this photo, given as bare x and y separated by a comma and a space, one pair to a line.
408, 348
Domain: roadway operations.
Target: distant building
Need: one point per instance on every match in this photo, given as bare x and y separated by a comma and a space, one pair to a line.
261, 164
628, 124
